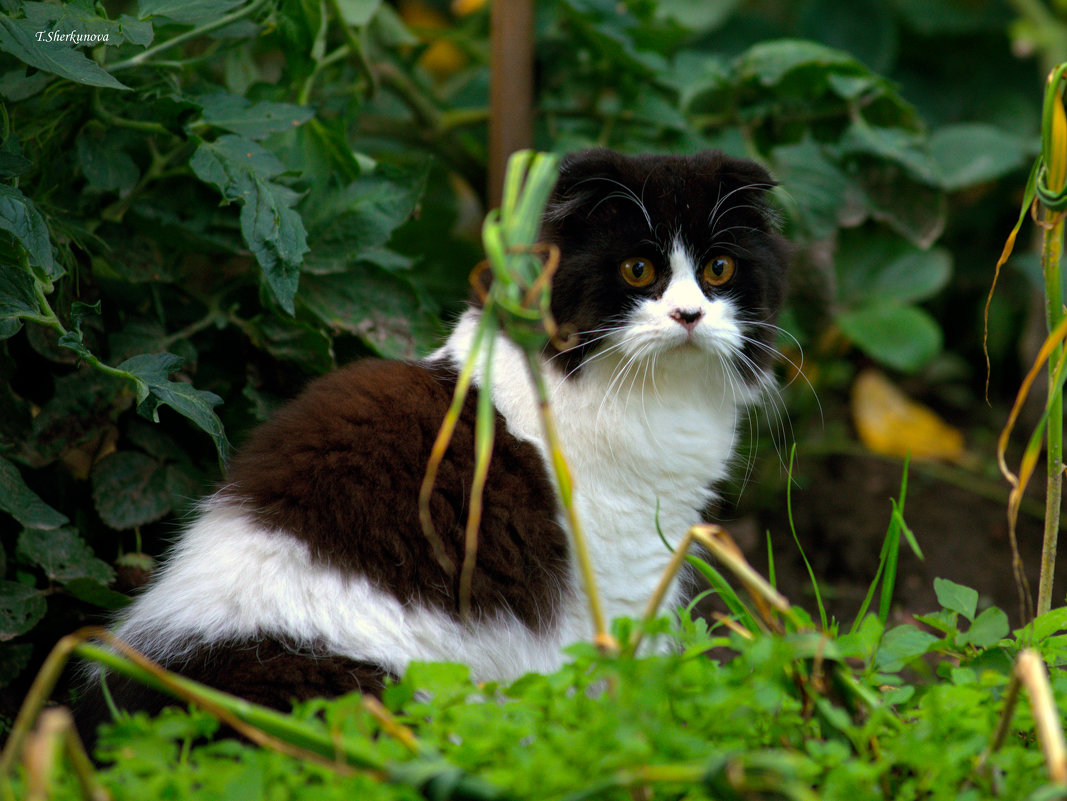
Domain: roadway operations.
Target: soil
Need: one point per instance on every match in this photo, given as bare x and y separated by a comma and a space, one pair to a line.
841, 510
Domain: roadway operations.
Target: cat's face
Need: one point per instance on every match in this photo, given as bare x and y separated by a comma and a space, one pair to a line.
674, 256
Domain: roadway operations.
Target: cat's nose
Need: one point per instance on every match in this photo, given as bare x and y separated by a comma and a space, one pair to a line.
688, 318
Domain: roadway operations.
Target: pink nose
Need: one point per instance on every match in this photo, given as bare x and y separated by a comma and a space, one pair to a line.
688, 318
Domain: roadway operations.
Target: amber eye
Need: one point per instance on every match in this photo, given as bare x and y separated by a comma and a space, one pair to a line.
638, 272
719, 270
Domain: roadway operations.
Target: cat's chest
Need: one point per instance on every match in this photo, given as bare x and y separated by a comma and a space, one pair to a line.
643, 453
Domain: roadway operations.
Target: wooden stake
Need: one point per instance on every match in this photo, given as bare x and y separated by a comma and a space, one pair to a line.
510, 87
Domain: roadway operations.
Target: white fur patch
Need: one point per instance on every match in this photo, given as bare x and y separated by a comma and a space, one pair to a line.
228, 578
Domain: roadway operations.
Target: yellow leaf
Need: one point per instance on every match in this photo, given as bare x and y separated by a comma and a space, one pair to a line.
441, 58
462, 8
890, 423
1057, 157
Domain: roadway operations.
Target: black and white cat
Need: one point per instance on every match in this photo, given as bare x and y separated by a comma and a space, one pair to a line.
308, 573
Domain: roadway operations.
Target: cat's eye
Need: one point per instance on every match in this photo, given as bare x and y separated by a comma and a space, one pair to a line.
719, 270
637, 272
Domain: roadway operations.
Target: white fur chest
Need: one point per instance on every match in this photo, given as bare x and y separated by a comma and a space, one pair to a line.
643, 449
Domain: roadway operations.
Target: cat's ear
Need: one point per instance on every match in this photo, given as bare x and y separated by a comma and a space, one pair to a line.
581, 182
751, 181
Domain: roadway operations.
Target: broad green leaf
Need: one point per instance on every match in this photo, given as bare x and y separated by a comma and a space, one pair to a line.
915, 210
770, 62
902, 337
63, 555
900, 646
254, 121
230, 160
879, 268
151, 372
703, 16
19, 38
293, 341
275, 233
18, 296
79, 18
1043, 626
956, 597
617, 34
93, 592
901, 146
361, 216
814, 188
186, 12
358, 13
22, 503
130, 489
988, 628
20, 218
381, 308
21, 607
105, 165
967, 154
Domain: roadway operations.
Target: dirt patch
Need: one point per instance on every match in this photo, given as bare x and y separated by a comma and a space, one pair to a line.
841, 510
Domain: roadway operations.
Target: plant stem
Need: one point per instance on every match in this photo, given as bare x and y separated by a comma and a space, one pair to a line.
1050, 260
188, 36
603, 639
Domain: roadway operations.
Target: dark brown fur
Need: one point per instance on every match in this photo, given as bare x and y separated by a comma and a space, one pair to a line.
340, 468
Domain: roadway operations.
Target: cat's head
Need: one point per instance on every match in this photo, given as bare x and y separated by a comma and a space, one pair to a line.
666, 255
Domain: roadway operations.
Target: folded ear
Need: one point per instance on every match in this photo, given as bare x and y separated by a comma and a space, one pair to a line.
739, 182
584, 177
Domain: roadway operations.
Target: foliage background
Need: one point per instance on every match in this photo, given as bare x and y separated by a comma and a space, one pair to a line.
230, 197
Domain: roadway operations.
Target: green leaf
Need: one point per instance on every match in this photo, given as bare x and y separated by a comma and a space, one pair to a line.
901, 146
254, 121
358, 13
770, 63
21, 606
956, 597
361, 216
63, 555
900, 646
880, 268
20, 218
151, 372
130, 489
22, 503
293, 341
275, 233
105, 165
19, 38
975, 153
381, 308
903, 337
93, 592
815, 188
186, 12
988, 629
81, 19
703, 16
18, 296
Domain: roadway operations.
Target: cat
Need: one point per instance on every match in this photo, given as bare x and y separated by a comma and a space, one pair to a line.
308, 572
